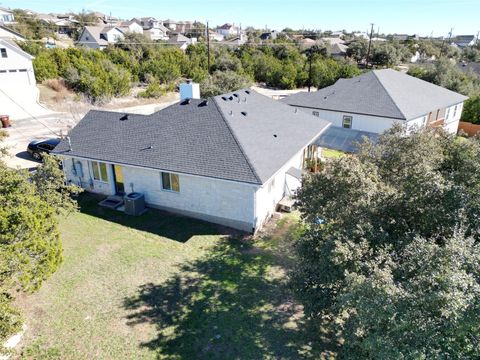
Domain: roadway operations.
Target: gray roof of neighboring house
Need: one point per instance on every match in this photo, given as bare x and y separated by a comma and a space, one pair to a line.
383, 93
339, 49
245, 137
179, 38
338, 138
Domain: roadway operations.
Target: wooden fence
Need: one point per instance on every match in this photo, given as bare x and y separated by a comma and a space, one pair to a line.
469, 128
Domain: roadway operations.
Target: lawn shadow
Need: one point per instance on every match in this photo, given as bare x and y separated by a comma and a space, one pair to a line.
175, 227
233, 303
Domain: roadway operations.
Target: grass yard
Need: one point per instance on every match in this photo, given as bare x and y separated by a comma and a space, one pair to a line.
164, 287
330, 153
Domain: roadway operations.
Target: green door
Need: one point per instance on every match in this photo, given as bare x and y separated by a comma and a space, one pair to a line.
119, 184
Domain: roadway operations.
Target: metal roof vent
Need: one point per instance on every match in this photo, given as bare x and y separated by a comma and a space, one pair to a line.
203, 103
275, 135
186, 101
247, 92
230, 98
235, 94
244, 113
124, 117
224, 98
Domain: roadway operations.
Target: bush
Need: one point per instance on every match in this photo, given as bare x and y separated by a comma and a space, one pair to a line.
153, 90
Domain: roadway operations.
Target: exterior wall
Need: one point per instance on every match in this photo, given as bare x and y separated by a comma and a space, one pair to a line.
224, 202
267, 197
155, 34
374, 124
135, 28
16, 70
453, 120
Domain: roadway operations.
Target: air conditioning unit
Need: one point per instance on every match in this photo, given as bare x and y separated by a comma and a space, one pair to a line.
134, 204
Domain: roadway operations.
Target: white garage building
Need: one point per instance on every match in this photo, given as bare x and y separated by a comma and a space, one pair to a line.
16, 69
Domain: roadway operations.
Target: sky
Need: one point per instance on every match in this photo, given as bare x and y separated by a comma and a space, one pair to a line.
422, 17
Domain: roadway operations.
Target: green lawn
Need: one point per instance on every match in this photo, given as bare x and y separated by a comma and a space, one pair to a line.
164, 287
330, 153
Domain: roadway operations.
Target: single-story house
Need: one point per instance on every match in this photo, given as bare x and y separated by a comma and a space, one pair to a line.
99, 37
374, 101
229, 159
16, 69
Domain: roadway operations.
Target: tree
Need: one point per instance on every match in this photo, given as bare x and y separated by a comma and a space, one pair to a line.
222, 82
471, 110
389, 257
358, 50
30, 246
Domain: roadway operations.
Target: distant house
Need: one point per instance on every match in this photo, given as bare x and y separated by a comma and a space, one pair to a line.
229, 159
404, 37
181, 41
214, 36
16, 69
338, 50
62, 24
99, 37
273, 35
131, 27
153, 29
374, 101
228, 30
470, 67
6, 16
180, 27
463, 41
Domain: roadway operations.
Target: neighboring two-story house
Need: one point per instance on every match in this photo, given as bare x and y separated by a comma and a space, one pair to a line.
374, 101
229, 159
153, 29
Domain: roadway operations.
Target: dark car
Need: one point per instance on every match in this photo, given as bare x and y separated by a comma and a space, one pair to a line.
37, 147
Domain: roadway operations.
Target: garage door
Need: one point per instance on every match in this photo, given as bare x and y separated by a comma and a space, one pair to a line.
14, 78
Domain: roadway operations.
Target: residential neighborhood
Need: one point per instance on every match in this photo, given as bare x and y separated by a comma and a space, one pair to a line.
182, 184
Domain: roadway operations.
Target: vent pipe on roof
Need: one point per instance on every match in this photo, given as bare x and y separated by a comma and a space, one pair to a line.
189, 90
69, 143
124, 117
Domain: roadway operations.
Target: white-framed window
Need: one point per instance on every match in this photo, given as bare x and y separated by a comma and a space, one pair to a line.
3, 52
424, 122
99, 170
316, 113
455, 111
347, 121
170, 182
447, 113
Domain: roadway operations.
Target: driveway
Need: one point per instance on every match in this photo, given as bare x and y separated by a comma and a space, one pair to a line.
25, 130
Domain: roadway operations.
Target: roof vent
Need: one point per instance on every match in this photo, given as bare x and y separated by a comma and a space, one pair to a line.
247, 92
296, 110
224, 98
231, 113
275, 135
186, 102
235, 94
203, 103
230, 98
244, 113
124, 117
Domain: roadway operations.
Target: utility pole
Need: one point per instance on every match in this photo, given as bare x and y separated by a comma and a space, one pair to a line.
369, 45
208, 48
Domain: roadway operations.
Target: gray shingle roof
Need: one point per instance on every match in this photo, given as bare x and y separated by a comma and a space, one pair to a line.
384, 93
213, 140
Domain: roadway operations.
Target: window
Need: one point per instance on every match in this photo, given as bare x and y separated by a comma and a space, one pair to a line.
446, 115
315, 113
99, 171
3, 51
347, 122
455, 111
170, 182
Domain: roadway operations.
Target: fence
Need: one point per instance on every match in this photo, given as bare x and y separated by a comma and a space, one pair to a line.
469, 128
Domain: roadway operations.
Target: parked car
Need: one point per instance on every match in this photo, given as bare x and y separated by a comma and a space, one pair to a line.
37, 147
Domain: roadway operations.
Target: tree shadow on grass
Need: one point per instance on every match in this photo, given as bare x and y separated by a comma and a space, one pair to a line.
175, 227
234, 303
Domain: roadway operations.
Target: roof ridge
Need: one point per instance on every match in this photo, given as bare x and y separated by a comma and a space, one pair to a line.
388, 93
236, 141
